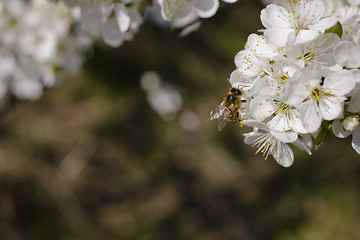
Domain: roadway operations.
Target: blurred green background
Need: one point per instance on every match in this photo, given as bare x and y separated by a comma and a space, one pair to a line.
92, 160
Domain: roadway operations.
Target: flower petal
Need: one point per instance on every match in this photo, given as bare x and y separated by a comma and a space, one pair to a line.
262, 107
331, 107
339, 83
355, 143
205, 8
306, 36
347, 54
278, 36
111, 34
279, 123
275, 16
122, 17
261, 47
248, 64
325, 23
283, 155
310, 117
354, 105
237, 78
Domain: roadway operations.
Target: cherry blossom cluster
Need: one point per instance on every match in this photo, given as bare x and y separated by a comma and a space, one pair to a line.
300, 78
42, 38
36, 44
117, 21
112, 20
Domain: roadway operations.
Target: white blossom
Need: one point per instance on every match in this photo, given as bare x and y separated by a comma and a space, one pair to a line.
34, 46
320, 95
175, 9
301, 76
271, 142
320, 50
113, 21
305, 18
276, 114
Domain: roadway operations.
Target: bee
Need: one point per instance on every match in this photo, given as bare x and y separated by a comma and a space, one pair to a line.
228, 110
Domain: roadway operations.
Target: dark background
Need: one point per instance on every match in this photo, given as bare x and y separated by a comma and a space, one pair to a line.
92, 160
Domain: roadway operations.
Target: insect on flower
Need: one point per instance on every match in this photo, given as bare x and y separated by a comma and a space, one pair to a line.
228, 110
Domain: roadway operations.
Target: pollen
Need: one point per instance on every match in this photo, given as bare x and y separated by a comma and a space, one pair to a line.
317, 94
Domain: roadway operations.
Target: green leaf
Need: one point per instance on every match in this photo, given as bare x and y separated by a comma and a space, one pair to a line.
324, 132
337, 29
321, 136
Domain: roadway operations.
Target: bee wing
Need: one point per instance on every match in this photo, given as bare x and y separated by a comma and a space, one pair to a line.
221, 123
217, 112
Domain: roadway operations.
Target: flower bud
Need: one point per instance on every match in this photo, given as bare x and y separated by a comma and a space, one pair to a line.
350, 124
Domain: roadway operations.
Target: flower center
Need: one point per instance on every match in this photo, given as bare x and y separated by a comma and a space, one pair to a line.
299, 26
264, 144
316, 94
282, 79
308, 57
283, 108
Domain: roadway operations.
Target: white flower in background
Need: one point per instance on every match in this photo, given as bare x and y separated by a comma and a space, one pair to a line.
188, 24
34, 46
113, 21
173, 9
230, 1
181, 14
165, 99
117, 21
